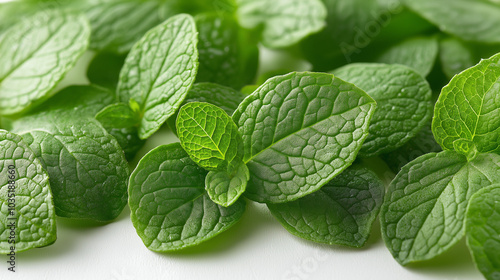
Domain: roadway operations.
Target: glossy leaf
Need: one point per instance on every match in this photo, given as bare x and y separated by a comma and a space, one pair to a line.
341, 212
169, 206
27, 216
299, 131
159, 71
404, 103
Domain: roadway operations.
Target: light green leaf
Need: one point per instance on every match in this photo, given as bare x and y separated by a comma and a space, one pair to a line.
36, 54
482, 227
455, 56
227, 56
283, 22
225, 188
424, 209
104, 70
299, 131
160, 70
341, 212
468, 110
479, 19
419, 53
118, 115
404, 103
25, 198
169, 206
209, 136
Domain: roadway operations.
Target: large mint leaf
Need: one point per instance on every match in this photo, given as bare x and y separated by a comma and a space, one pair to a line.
169, 206
424, 209
467, 113
25, 198
341, 212
87, 168
479, 19
299, 131
482, 227
418, 53
36, 54
227, 56
284, 22
160, 70
403, 99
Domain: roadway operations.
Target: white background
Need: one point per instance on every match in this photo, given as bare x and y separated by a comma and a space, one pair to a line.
256, 248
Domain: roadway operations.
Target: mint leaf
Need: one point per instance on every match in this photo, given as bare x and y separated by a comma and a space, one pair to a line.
482, 228
299, 131
478, 18
424, 209
467, 113
419, 53
118, 115
225, 188
169, 206
227, 55
423, 143
341, 212
104, 70
455, 56
160, 82
404, 103
36, 54
25, 198
284, 22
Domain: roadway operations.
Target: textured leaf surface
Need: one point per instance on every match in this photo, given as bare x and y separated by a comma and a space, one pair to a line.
284, 22
25, 184
46, 46
160, 70
423, 143
424, 209
341, 212
225, 188
87, 168
169, 206
227, 56
455, 56
417, 53
479, 19
483, 231
403, 99
468, 110
299, 131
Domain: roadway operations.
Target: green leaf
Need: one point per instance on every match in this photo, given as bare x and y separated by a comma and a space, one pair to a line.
169, 206
225, 188
25, 198
341, 212
419, 53
299, 131
47, 45
283, 22
128, 140
209, 136
478, 18
468, 109
227, 56
482, 226
423, 143
87, 168
404, 103
424, 209
118, 115
104, 70
455, 56
159, 71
